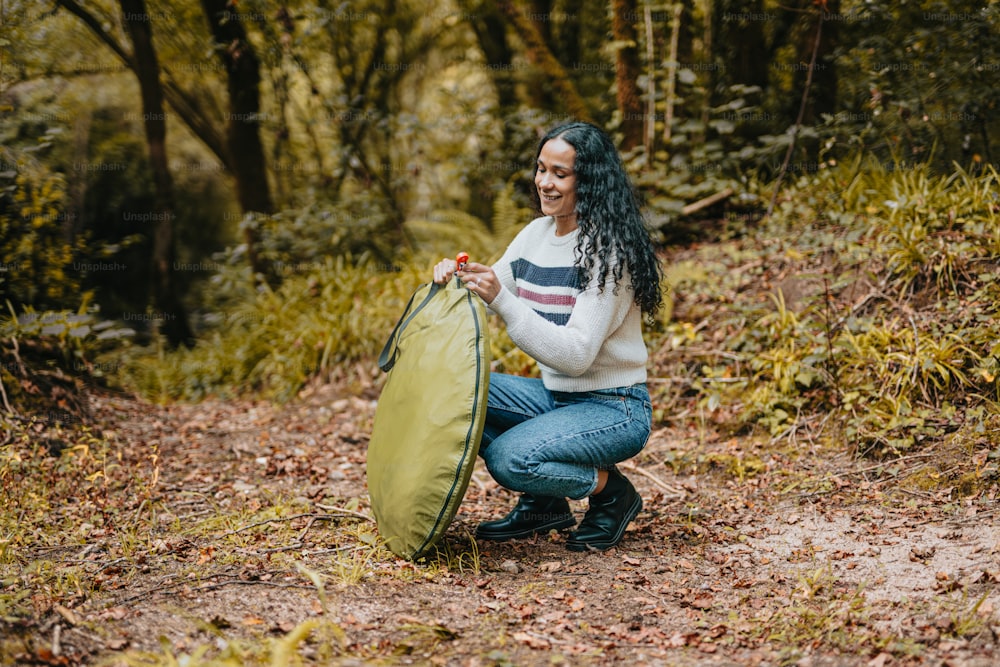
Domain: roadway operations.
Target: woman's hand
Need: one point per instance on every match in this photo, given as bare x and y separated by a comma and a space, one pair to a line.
477, 278
480, 279
443, 271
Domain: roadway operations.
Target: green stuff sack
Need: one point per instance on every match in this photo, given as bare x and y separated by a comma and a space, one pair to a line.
429, 418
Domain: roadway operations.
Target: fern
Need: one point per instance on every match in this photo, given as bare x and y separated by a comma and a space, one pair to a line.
508, 217
448, 231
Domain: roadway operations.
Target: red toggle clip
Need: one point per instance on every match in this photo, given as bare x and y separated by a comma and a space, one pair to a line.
461, 259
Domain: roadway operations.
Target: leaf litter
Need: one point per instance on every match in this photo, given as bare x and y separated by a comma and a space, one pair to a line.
239, 532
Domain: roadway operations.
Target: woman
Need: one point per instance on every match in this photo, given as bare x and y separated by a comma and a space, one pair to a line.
571, 288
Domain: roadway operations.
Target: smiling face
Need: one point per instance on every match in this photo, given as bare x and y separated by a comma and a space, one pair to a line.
555, 180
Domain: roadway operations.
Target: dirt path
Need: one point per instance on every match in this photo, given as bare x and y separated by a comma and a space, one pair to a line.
251, 544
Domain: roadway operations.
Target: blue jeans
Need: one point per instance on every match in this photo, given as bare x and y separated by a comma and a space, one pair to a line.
552, 443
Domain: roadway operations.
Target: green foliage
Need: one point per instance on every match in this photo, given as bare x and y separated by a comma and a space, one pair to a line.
940, 229
332, 311
312, 325
44, 355
291, 240
37, 263
907, 84
869, 300
39, 479
920, 81
445, 232
74, 338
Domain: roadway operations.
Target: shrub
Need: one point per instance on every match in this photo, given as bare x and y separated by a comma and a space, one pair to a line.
868, 301
36, 260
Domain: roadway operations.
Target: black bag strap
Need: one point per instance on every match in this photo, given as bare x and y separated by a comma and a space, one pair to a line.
387, 359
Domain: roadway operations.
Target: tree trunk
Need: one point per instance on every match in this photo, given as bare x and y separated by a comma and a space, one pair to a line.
541, 56
243, 142
627, 72
147, 69
708, 49
540, 15
745, 42
671, 94
489, 26
235, 156
649, 131
187, 109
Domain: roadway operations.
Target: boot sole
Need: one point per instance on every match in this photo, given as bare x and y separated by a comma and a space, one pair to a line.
560, 524
633, 511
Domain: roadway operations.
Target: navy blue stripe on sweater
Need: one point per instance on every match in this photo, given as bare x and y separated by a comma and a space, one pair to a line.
550, 291
557, 318
545, 276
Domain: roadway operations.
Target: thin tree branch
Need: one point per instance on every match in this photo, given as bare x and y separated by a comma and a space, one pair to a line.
798, 121
334, 511
95, 26
177, 98
671, 490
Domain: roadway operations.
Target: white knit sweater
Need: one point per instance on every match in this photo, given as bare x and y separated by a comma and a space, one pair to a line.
582, 338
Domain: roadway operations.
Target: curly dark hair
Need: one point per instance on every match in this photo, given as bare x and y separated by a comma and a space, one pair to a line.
609, 216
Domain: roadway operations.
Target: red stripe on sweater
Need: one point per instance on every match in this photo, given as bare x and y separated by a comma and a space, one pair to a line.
547, 299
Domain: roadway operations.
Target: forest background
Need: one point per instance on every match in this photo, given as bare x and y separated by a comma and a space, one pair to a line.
223, 199
261, 185
160, 158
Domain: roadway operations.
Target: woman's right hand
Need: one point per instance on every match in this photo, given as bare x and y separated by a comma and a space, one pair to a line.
444, 270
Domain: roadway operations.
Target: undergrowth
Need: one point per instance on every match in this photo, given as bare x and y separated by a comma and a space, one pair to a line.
55, 496
866, 306
862, 313
85, 516
330, 319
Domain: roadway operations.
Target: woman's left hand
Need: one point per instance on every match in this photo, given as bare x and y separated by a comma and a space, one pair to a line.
479, 278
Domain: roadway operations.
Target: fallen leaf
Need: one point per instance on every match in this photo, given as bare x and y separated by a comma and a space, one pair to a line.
220, 622
67, 614
284, 627
533, 641
880, 659
699, 600
510, 566
115, 613
717, 631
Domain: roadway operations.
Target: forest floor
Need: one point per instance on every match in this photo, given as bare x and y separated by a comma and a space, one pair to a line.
237, 532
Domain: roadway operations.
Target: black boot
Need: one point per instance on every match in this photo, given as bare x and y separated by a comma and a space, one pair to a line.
531, 515
609, 515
